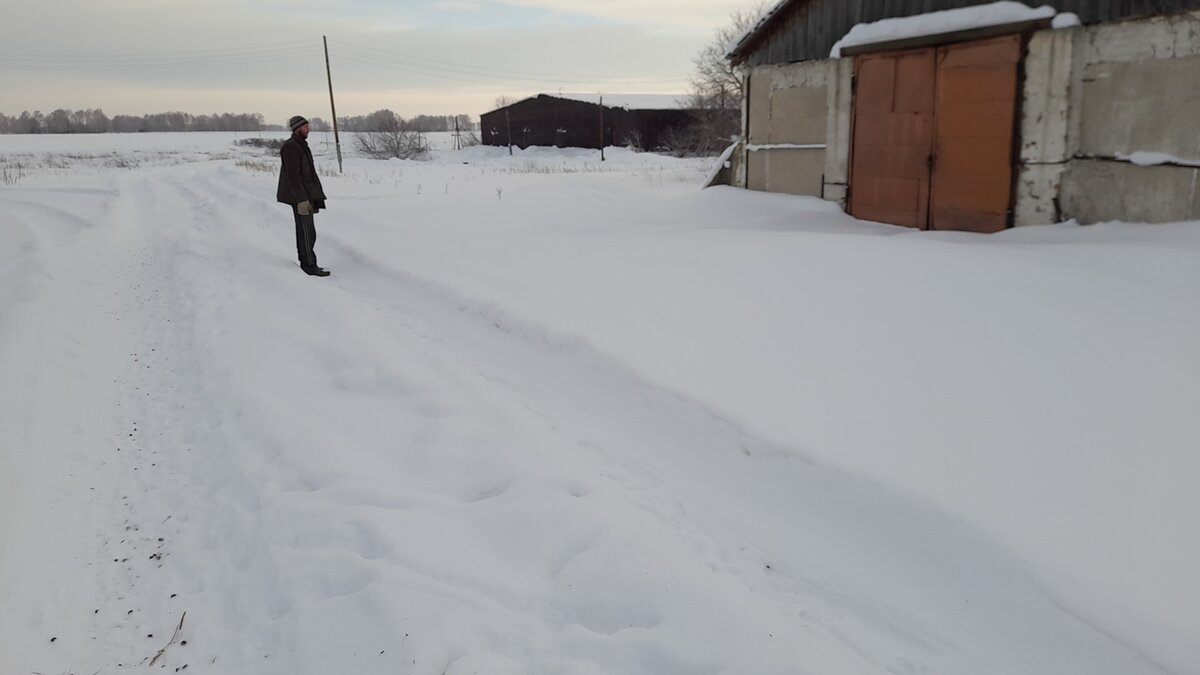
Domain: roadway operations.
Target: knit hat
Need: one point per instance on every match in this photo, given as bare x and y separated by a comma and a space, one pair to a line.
297, 122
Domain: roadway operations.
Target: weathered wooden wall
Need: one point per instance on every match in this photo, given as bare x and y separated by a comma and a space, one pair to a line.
552, 121
546, 120
808, 29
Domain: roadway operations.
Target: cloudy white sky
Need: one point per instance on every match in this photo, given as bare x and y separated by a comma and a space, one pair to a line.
413, 56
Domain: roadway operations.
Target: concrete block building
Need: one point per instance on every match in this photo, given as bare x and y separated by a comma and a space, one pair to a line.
1089, 111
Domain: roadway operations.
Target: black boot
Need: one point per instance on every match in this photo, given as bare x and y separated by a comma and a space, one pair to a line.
315, 271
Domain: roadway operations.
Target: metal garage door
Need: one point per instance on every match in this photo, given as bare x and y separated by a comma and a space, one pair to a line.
893, 137
933, 136
976, 115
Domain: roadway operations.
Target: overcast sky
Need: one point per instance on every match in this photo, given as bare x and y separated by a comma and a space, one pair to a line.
413, 56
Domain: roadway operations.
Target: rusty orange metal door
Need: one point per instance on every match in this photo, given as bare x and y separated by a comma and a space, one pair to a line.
933, 135
976, 112
893, 137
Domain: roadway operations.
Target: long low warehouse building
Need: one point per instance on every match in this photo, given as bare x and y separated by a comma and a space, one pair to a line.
644, 121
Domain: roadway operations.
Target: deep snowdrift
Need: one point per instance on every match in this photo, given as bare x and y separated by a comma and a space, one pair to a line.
558, 416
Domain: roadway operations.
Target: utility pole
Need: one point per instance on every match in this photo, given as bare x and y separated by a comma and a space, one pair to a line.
508, 123
601, 127
333, 108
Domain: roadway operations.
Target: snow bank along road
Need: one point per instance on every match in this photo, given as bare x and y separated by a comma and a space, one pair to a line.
556, 417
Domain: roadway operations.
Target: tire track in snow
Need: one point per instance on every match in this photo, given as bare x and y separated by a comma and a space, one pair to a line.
51, 464
104, 376
173, 465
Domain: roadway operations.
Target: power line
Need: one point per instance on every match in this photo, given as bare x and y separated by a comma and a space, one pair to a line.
479, 71
437, 62
462, 75
409, 71
180, 53
285, 51
44, 65
427, 71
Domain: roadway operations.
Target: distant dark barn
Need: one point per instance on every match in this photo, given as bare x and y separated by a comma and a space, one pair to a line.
642, 121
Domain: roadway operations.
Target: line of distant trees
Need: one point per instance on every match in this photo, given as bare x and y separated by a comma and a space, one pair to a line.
96, 122
386, 120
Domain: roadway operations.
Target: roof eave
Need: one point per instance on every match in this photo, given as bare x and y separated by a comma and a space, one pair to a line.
738, 53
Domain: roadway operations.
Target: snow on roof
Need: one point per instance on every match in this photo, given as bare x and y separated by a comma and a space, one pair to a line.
626, 101
630, 101
936, 23
933, 23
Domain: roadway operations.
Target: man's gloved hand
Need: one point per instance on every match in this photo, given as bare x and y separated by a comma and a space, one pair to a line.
304, 208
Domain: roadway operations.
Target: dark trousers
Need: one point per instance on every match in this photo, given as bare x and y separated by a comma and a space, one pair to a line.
306, 238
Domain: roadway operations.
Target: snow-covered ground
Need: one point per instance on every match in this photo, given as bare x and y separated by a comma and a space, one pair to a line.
552, 415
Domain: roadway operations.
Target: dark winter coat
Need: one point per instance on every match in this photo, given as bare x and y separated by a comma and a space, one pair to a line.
298, 180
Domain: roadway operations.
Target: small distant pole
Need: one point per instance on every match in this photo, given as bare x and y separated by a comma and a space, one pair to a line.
457, 135
601, 127
508, 123
333, 108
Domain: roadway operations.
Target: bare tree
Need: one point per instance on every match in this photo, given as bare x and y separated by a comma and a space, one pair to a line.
504, 101
716, 75
717, 88
389, 138
58, 122
31, 124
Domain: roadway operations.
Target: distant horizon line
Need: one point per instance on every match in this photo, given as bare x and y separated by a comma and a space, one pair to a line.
96, 121
212, 114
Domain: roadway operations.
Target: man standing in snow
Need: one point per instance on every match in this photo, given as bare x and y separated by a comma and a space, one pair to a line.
300, 187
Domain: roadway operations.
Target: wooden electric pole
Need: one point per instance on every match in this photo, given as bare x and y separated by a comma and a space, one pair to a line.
337, 141
508, 123
601, 127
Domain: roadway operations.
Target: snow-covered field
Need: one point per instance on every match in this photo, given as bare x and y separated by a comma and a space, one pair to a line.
557, 416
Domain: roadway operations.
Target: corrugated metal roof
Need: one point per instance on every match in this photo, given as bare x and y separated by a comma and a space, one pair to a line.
763, 21
625, 101
801, 30
631, 101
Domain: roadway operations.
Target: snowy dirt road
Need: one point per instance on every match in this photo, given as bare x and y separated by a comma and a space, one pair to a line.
381, 472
